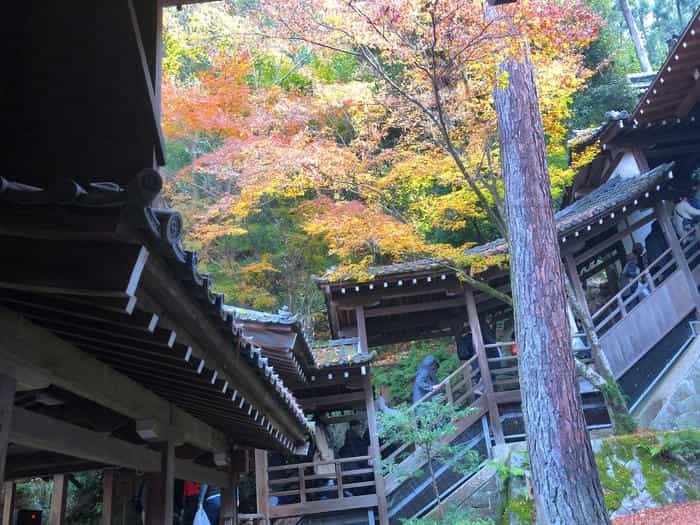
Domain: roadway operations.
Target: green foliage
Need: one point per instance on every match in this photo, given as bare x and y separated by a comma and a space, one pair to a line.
522, 508
400, 376
659, 21
612, 56
35, 494
507, 471
660, 456
453, 516
340, 67
624, 422
684, 444
426, 428
83, 503
270, 70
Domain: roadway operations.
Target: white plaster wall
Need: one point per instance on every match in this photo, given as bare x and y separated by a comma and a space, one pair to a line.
628, 167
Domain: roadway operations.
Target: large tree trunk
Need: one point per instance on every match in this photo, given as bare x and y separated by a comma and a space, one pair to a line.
566, 485
637, 39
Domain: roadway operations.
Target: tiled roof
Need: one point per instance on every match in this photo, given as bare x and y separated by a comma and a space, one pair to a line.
104, 205
283, 315
341, 352
418, 266
604, 199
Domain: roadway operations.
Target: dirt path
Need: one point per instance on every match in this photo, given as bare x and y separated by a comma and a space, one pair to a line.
683, 514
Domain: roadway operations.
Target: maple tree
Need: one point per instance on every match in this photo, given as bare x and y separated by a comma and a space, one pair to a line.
388, 125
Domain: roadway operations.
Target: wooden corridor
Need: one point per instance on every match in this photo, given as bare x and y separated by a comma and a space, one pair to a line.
628, 328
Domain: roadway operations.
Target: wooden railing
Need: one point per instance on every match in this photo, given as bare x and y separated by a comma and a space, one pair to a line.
297, 489
460, 389
690, 244
618, 307
504, 368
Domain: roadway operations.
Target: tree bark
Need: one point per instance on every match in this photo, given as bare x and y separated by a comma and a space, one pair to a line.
566, 485
637, 39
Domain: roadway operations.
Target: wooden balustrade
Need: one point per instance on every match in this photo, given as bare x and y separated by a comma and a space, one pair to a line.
295, 485
619, 306
297, 489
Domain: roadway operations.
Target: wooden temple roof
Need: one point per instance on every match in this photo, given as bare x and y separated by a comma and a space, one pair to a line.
665, 124
100, 268
282, 339
616, 193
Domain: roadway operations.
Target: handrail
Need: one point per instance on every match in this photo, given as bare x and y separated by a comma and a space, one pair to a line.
316, 463
441, 385
296, 484
645, 273
446, 385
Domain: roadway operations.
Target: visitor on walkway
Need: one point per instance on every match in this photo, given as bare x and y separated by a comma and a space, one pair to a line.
633, 291
685, 216
325, 472
426, 378
355, 445
210, 500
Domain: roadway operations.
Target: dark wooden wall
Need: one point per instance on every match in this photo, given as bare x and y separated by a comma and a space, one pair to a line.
74, 94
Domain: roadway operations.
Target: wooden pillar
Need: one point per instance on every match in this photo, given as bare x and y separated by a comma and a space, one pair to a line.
262, 490
571, 270
376, 452
8, 503
478, 342
663, 215
59, 492
8, 386
161, 489
107, 496
229, 503
361, 328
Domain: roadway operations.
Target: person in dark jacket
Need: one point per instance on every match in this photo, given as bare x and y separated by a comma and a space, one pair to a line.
426, 378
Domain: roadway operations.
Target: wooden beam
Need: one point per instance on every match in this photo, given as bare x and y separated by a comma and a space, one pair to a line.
455, 302
33, 430
8, 502
29, 352
59, 492
8, 387
262, 488
69, 266
599, 247
482, 358
379, 293
314, 404
383, 507
663, 212
161, 288
361, 328
688, 103
44, 433
196, 472
153, 106
43, 463
318, 507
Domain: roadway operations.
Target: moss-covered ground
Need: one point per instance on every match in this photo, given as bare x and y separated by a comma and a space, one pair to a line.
660, 457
